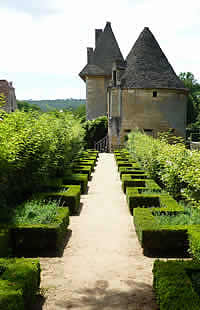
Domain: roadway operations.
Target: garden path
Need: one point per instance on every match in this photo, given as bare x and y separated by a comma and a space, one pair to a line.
102, 266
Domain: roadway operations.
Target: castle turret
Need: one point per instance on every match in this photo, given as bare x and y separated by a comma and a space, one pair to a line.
149, 95
98, 72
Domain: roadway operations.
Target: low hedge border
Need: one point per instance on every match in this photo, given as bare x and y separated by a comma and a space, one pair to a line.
34, 239
87, 157
77, 179
67, 195
173, 286
141, 183
82, 161
130, 170
19, 283
165, 239
82, 170
5, 247
137, 197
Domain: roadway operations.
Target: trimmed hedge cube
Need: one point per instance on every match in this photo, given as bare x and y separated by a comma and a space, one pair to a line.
19, 283
32, 239
158, 240
150, 184
130, 170
140, 197
85, 163
5, 245
77, 179
67, 195
82, 170
144, 200
172, 283
129, 182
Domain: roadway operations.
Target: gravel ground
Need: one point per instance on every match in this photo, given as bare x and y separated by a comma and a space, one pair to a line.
102, 266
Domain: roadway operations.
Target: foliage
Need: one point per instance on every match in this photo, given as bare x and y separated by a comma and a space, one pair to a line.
57, 104
36, 212
80, 113
173, 286
95, 130
2, 100
191, 216
193, 104
174, 166
19, 283
26, 107
35, 147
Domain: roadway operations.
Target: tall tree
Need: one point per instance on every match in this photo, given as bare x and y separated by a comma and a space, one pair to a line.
193, 104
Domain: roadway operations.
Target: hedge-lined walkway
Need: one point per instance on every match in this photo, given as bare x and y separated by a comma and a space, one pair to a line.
102, 266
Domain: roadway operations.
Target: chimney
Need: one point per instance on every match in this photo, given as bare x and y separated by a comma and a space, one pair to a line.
98, 32
89, 55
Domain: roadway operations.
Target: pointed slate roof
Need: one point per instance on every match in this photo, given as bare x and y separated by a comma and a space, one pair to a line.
106, 52
148, 67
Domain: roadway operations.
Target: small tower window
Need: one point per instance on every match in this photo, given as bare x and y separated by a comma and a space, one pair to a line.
155, 94
114, 78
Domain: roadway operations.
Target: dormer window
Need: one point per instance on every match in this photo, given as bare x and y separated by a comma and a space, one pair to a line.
155, 94
114, 78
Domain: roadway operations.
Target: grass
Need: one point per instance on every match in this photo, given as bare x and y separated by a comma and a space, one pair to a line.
190, 216
35, 212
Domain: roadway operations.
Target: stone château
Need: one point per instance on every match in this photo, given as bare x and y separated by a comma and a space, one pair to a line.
7, 89
142, 91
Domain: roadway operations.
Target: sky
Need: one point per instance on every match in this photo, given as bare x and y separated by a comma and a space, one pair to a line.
43, 42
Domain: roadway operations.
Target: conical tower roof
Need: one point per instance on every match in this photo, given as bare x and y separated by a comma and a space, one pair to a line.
148, 67
106, 52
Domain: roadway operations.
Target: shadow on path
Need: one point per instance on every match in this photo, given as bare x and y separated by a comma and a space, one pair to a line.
138, 297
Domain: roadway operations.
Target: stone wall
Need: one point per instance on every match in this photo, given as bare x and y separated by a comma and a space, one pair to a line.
96, 94
139, 109
9, 92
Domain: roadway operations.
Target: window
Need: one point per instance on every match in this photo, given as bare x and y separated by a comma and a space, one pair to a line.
114, 78
148, 132
155, 94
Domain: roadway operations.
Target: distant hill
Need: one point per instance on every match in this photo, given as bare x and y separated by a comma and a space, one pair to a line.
57, 104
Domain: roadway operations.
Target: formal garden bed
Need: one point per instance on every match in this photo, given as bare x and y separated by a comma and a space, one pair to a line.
19, 283
177, 284
165, 228
35, 227
65, 195
77, 179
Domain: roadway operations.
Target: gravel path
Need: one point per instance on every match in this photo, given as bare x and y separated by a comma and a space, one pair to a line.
102, 266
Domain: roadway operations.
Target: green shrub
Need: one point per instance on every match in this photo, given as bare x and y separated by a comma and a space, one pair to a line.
36, 212
190, 216
67, 195
77, 179
159, 240
130, 170
35, 147
127, 181
78, 169
5, 242
176, 167
95, 130
43, 237
173, 286
19, 283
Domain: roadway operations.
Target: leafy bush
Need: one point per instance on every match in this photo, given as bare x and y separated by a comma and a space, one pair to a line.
35, 147
176, 167
95, 130
173, 285
190, 216
19, 283
36, 212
